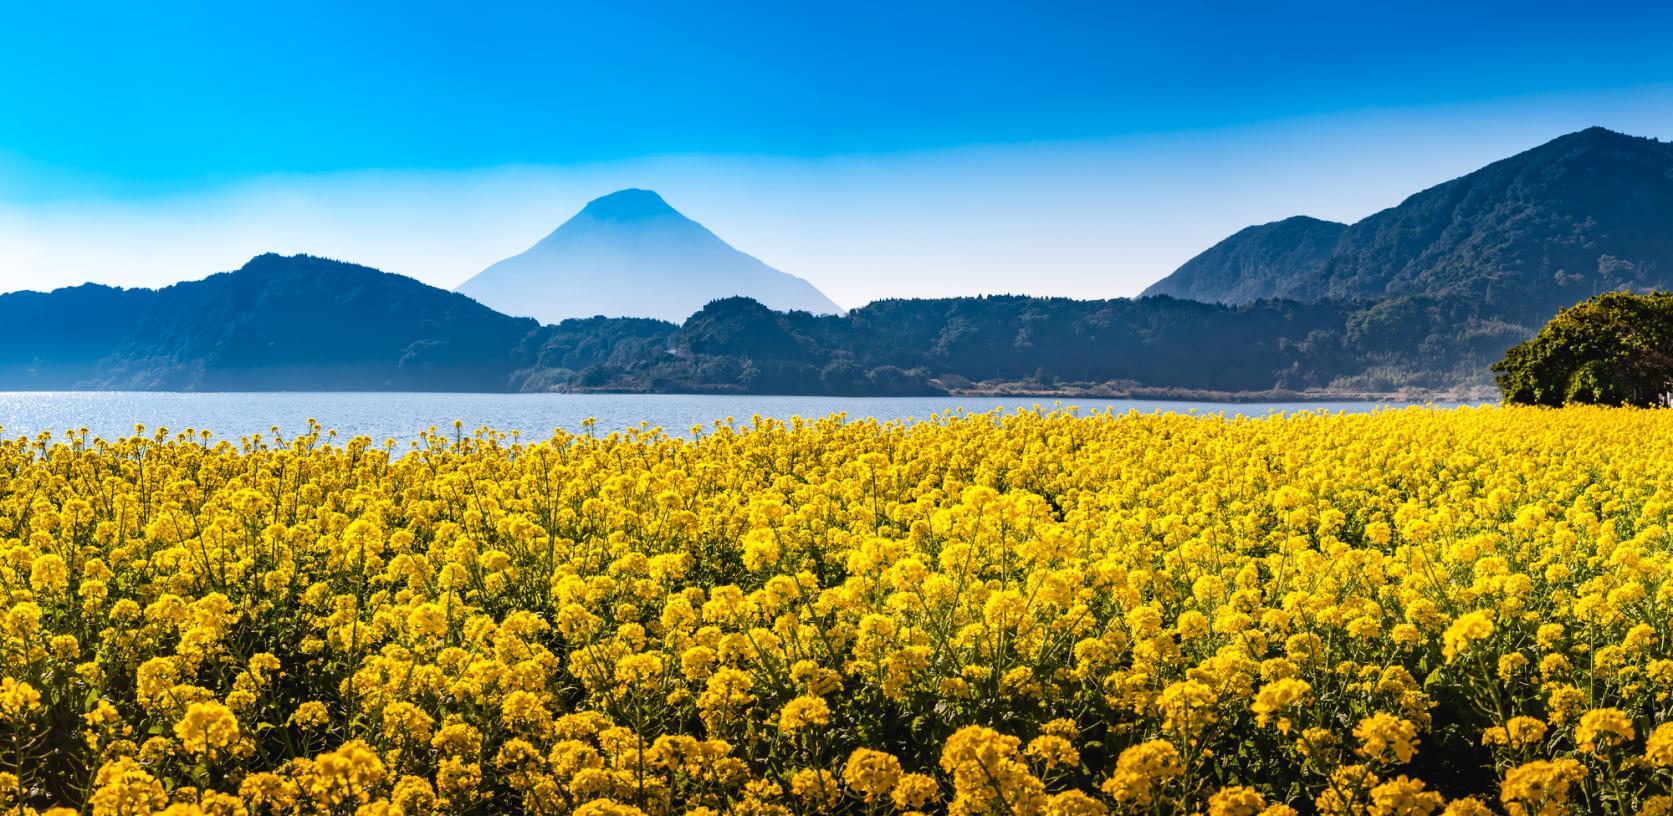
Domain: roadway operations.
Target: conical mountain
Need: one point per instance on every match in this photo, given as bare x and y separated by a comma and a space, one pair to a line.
629, 254
1584, 213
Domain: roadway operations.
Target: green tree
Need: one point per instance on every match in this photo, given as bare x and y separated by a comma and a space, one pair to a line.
1614, 349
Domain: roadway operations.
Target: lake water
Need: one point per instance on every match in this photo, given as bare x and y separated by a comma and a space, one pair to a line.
404, 416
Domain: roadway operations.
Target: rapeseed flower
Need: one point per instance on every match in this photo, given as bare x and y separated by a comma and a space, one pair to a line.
1033, 613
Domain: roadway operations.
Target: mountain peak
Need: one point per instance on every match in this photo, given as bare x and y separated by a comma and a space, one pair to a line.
1583, 213
1594, 136
631, 204
270, 265
629, 254
1600, 132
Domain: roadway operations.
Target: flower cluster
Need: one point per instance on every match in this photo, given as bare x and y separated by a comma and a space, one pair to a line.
1406, 612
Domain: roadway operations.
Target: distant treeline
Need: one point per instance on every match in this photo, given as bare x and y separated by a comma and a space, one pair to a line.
304, 323
900, 347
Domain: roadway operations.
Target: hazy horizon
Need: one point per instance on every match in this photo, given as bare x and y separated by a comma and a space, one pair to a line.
1098, 151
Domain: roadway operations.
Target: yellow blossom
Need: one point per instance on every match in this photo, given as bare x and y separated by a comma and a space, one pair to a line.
207, 729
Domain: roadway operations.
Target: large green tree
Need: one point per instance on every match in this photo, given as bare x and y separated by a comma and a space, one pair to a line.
1614, 349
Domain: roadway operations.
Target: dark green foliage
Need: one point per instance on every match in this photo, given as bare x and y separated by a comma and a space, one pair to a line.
909, 347
583, 352
1614, 349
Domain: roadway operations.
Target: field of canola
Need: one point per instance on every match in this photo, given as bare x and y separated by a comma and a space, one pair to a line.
1408, 612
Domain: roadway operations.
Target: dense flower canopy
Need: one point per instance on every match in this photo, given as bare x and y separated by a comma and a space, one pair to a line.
1039, 613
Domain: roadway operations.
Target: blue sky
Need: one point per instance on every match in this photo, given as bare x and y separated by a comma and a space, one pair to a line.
878, 149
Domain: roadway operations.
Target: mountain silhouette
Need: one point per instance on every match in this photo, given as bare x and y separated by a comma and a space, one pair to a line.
1256, 263
1584, 213
278, 323
1420, 298
629, 254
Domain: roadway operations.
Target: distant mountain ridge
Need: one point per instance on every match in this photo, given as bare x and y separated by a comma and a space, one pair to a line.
276, 324
1584, 213
630, 254
305, 323
1256, 263
1418, 299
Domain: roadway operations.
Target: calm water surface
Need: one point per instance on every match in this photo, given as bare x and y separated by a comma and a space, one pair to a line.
404, 416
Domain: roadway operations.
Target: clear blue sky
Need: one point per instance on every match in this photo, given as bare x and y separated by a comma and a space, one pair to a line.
112, 106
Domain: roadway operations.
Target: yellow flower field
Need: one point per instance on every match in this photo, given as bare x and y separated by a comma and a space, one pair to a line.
1406, 612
